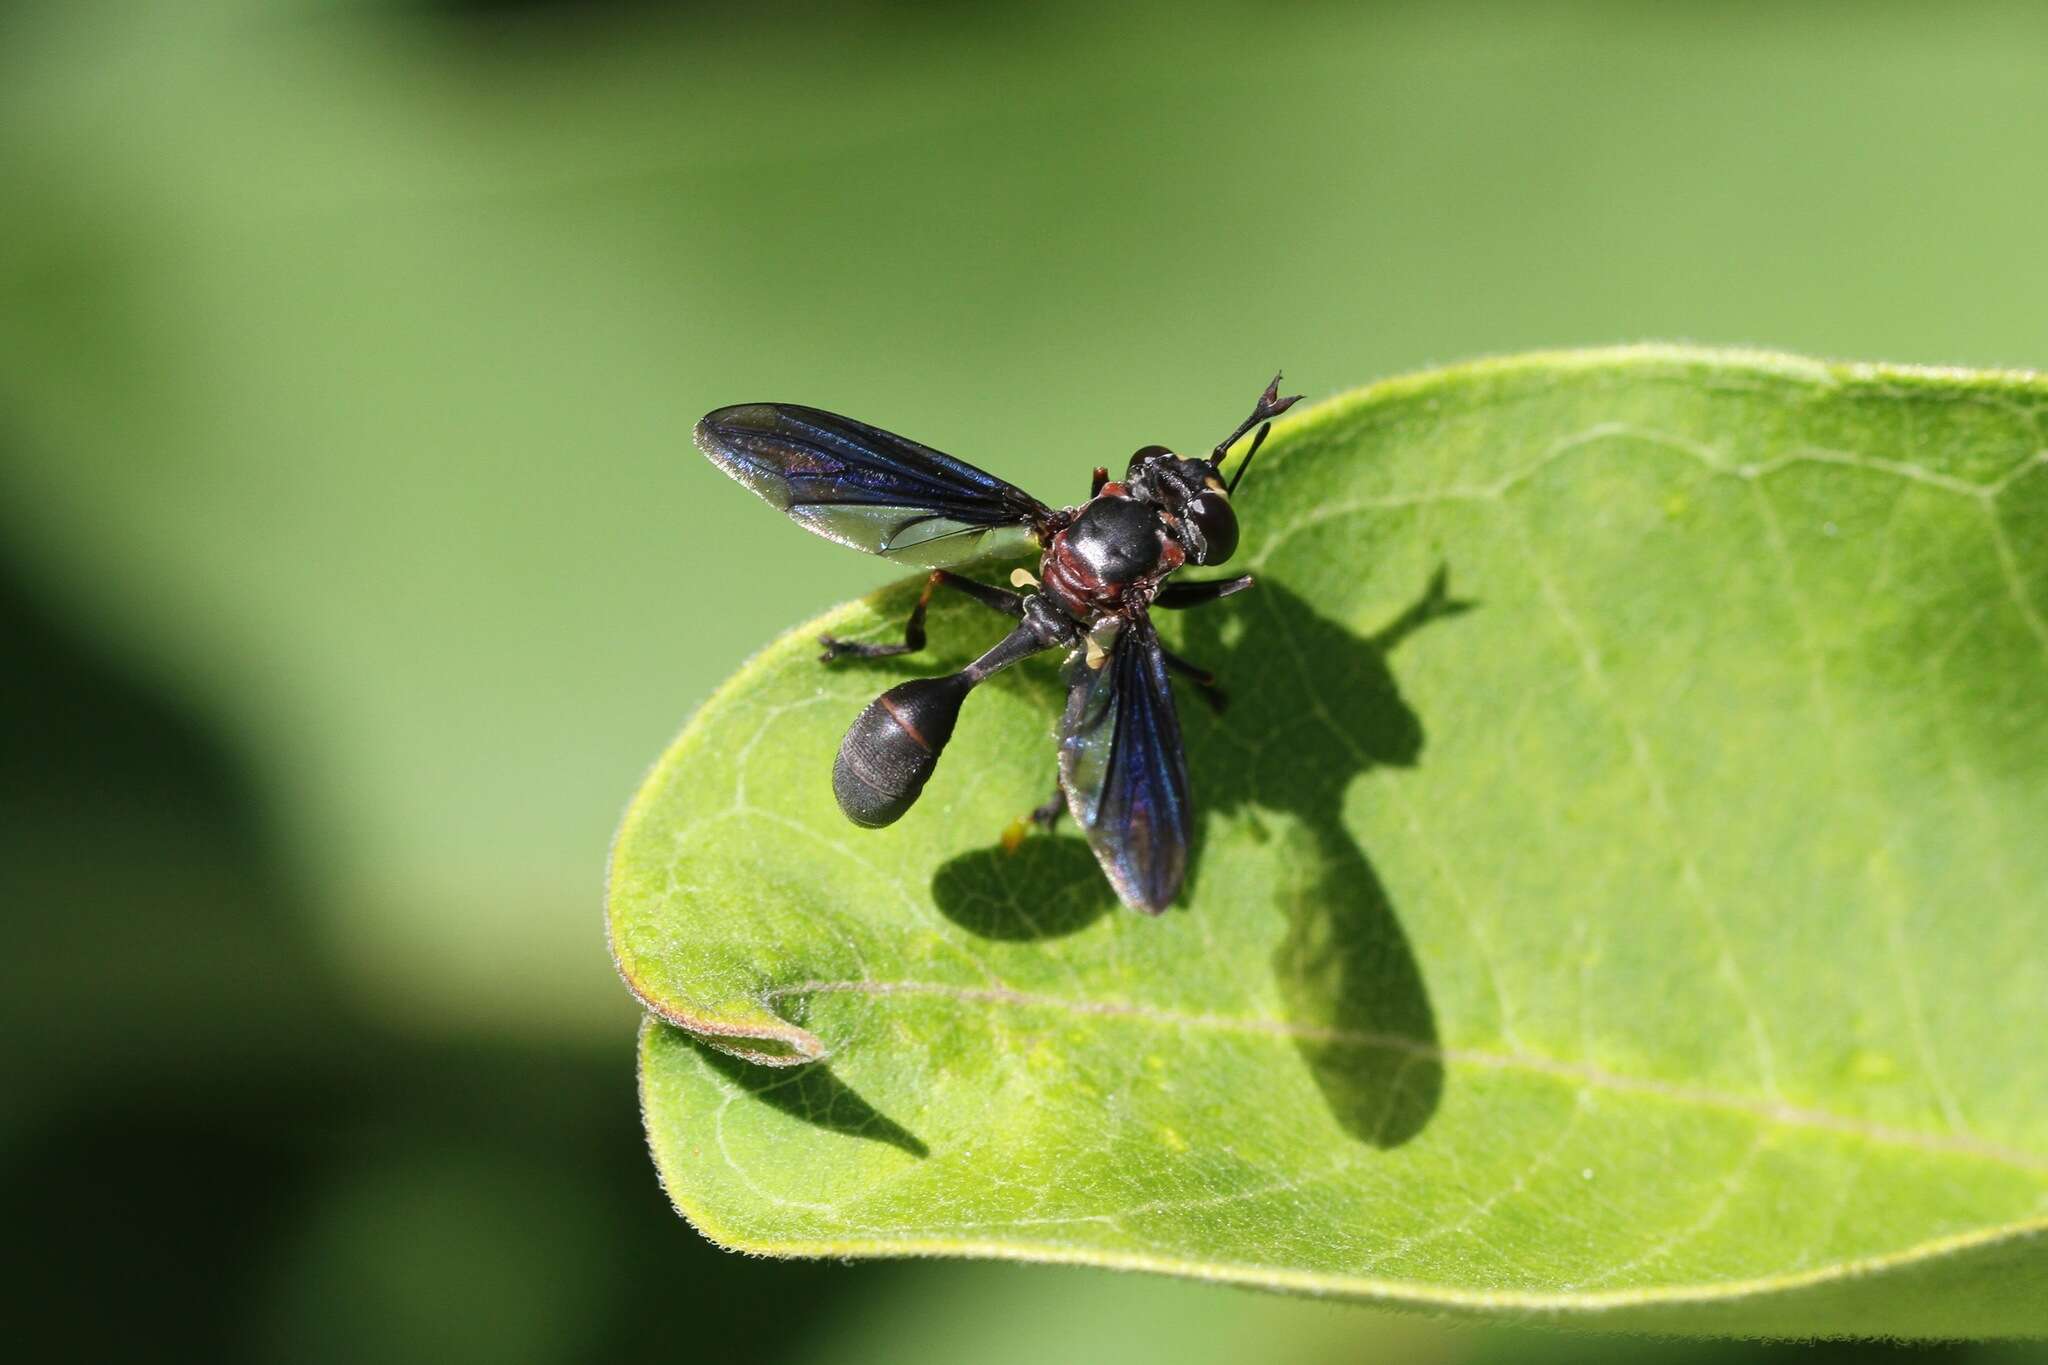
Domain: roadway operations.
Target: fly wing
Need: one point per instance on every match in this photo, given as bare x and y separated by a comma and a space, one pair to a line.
1124, 770
864, 487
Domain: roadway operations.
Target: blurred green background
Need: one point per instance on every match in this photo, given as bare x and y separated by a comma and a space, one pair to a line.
354, 560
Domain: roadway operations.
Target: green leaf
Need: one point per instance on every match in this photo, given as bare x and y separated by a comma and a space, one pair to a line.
1617, 891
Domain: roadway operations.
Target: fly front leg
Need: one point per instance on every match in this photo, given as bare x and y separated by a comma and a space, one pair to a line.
996, 599
1179, 593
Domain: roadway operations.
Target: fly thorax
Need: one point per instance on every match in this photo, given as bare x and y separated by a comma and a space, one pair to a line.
1116, 540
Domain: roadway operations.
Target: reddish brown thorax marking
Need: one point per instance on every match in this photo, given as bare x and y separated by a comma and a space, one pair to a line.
1077, 590
1076, 582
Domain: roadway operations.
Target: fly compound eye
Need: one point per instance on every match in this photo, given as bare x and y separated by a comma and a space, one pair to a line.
1214, 524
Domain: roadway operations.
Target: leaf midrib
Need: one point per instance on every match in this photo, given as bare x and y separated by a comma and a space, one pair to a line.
1412, 1292
1583, 1073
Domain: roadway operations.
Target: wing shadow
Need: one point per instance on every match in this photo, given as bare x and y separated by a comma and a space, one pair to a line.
1047, 888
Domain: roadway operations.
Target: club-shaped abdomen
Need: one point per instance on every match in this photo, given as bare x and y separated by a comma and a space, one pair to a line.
891, 748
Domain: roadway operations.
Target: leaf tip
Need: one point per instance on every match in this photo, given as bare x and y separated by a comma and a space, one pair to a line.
755, 1036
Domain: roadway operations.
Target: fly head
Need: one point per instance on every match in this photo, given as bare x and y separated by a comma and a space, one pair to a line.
1192, 493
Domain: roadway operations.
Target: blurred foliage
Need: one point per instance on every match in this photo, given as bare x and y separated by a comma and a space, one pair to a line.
356, 560
350, 357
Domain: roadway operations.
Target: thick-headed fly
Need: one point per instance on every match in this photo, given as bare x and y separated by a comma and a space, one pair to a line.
1104, 566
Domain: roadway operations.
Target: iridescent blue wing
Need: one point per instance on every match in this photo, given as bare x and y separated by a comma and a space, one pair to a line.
1124, 770
864, 487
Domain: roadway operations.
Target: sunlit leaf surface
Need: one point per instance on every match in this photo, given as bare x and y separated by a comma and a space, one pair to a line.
1617, 889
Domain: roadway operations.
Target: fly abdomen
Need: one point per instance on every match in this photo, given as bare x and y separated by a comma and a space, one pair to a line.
891, 748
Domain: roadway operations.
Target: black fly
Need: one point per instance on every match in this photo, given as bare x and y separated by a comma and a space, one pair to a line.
1104, 565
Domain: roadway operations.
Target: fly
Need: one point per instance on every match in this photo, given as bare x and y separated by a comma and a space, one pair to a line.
1103, 565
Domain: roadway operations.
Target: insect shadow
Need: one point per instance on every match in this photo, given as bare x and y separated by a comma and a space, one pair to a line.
1317, 706
1314, 706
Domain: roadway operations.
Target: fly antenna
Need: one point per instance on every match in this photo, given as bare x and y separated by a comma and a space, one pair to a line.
1269, 406
1246, 462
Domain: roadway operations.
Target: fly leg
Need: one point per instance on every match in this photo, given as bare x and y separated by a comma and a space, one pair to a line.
1181, 594
1044, 817
996, 599
1204, 681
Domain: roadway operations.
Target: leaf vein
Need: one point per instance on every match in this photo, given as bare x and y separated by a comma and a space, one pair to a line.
1770, 1110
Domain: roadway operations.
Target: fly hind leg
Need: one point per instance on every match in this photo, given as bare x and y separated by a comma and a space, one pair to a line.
996, 599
